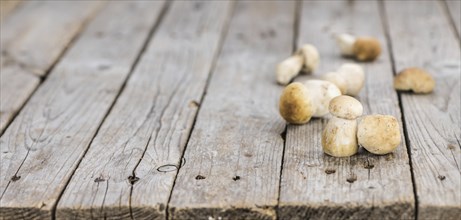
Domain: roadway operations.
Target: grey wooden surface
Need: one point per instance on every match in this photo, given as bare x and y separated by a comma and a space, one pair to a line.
146, 135
234, 154
432, 121
169, 110
43, 145
32, 39
6, 6
454, 8
322, 187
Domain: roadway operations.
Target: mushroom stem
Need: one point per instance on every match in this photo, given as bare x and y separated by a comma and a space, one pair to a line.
346, 44
339, 138
289, 68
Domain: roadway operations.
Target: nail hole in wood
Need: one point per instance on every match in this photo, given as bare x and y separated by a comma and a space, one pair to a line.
199, 177
133, 179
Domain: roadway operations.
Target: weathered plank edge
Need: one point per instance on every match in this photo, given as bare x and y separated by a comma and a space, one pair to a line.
349, 211
145, 44
240, 212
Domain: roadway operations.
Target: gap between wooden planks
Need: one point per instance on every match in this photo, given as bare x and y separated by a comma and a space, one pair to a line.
43, 145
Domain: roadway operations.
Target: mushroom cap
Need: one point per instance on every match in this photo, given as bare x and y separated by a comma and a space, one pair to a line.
379, 134
354, 76
295, 104
288, 69
321, 93
346, 107
339, 137
336, 79
414, 79
346, 44
311, 57
366, 48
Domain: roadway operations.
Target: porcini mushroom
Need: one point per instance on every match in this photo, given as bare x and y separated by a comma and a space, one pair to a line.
379, 134
362, 48
299, 102
414, 79
321, 93
338, 80
354, 76
306, 58
295, 105
339, 137
311, 58
289, 69
349, 78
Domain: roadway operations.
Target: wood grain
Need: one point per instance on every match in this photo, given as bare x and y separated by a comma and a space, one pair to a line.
454, 8
43, 145
233, 158
130, 167
432, 121
7, 6
364, 186
32, 39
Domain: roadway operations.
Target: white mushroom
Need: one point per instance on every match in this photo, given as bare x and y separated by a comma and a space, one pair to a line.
346, 44
362, 48
321, 93
339, 137
289, 69
311, 58
306, 58
338, 80
379, 134
349, 78
354, 76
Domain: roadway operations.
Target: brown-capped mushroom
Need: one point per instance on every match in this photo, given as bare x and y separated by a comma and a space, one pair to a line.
414, 79
362, 48
296, 106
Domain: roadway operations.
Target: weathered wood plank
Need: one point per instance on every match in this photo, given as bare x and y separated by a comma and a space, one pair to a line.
364, 186
432, 121
7, 6
233, 157
43, 145
32, 39
454, 8
154, 114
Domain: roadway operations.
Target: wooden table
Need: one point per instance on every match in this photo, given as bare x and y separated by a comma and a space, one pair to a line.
161, 109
